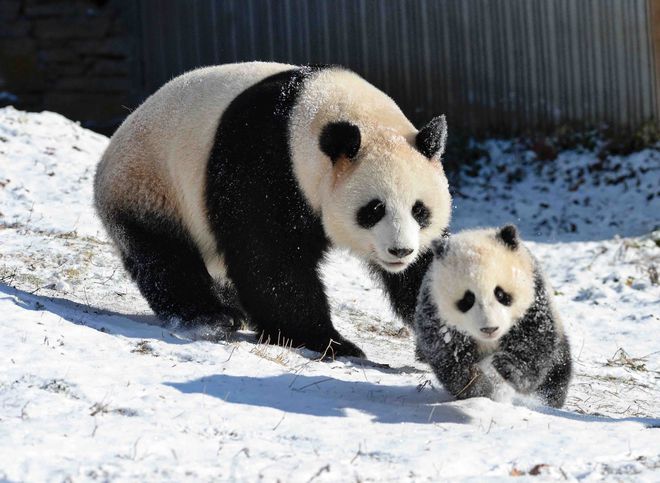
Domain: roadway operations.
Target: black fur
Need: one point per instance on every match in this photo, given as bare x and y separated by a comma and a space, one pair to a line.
466, 302
271, 239
532, 356
421, 214
432, 138
403, 288
503, 297
508, 235
340, 139
170, 273
370, 214
440, 246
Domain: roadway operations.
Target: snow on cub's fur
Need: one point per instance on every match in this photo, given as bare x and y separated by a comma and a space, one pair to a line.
485, 315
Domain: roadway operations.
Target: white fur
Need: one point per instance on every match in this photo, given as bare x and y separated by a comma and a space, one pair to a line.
156, 161
477, 261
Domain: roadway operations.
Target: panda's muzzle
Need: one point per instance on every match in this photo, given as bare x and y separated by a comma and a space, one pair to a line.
400, 252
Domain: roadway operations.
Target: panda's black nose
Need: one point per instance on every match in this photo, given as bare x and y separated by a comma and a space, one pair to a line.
489, 330
400, 252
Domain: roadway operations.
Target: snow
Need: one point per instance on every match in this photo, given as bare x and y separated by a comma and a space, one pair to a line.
91, 388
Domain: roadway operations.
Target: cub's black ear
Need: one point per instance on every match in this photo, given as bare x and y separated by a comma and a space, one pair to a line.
340, 139
432, 138
440, 246
508, 235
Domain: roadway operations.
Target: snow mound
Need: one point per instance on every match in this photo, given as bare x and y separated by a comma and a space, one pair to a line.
48, 165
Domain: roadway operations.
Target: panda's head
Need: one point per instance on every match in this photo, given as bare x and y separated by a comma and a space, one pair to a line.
482, 281
388, 197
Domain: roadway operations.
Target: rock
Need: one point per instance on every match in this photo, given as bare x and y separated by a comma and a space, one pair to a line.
76, 28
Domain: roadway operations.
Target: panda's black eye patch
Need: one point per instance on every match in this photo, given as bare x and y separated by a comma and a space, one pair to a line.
371, 213
503, 297
466, 302
421, 214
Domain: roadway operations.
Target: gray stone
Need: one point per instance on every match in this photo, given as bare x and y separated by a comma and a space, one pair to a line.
59, 55
9, 9
110, 47
109, 67
76, 28
19, 67
57, 9
14, 28
93, 84
87, 106
56, 71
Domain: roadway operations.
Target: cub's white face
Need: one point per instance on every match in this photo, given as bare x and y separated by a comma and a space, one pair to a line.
481, 285
387, 203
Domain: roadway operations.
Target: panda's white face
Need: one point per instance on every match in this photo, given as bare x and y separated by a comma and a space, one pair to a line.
387, 203
480, 285
376, 181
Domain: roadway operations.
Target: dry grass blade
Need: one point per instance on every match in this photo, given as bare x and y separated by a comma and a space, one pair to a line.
622, 359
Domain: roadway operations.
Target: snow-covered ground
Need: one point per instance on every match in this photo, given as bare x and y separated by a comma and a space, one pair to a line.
91, 388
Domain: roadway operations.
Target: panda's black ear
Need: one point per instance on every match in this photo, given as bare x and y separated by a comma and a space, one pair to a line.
508, 235
440, 246
340, 139
432, 138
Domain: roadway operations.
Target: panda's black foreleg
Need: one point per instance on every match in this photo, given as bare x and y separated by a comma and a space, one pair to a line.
456, 366
171, 275
554, 387
526, 351
524, 375
285, 299
403, 288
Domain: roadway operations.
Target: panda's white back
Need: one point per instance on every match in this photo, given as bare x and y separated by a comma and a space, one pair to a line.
156, 161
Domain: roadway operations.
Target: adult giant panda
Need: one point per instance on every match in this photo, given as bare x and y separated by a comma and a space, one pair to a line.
225, 188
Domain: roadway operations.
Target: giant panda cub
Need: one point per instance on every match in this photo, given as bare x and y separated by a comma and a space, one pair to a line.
485, 319
225, 189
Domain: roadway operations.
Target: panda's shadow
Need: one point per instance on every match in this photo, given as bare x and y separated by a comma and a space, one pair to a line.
145, 326
328, 397
652, 423
135, 326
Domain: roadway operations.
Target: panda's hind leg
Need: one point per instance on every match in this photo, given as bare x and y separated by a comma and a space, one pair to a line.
171, 275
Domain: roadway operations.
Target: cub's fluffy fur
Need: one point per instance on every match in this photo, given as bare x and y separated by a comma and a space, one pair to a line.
485, 315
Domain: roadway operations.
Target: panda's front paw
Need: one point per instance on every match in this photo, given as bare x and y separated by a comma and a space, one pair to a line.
508, 368
419, 355
343, 348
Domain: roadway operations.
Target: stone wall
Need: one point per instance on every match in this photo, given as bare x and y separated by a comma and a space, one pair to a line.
75, 57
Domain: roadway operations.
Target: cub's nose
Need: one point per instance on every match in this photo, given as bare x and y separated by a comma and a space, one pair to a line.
489, 330
400, 252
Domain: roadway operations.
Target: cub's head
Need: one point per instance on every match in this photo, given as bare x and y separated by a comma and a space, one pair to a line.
388, 197
482, 281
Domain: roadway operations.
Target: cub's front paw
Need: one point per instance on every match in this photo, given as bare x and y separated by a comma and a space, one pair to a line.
508, 368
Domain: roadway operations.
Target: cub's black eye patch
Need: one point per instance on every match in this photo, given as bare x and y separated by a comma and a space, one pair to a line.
503, 297
421, 214
466, 302
371, 213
